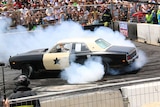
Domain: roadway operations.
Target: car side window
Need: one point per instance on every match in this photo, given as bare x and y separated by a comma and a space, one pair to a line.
61, 47
80, 47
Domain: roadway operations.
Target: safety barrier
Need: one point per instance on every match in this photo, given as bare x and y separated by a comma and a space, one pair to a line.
149, 33
115, 26
141, 32
95, 97
142, 95
137, 93
89, 99
132, 31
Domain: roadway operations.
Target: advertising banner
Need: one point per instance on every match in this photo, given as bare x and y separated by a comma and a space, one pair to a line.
123, 28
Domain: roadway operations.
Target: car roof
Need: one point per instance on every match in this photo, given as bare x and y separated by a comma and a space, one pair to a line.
79, 39
89, 41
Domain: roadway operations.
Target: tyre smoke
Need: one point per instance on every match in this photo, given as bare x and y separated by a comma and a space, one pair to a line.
91, 71
19, 40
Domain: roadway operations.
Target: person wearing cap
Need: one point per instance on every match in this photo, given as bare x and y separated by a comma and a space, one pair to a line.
22, 90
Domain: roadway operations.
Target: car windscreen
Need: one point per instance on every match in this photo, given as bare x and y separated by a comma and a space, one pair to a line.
102, 43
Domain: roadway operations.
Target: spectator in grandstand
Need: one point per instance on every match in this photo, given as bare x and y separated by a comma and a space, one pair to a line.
50, 17
83, 17
17, 4
149, 17
69, 14
60, 10
116, 12
28, 19
74, 15
22, 90
154, 14
131, 10
158, 15
95, 15
123, 13
38, 18
62, 16
107, 17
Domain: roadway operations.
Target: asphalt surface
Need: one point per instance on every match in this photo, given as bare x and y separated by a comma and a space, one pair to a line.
149, 70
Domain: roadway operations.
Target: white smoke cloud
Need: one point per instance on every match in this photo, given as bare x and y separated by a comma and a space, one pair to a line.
91, 71
139, 62
115, 38
134, 67
20, 40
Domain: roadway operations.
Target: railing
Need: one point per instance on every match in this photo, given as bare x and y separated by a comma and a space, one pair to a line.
138, 93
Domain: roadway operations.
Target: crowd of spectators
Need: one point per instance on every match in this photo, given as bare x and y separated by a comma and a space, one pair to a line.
41, 12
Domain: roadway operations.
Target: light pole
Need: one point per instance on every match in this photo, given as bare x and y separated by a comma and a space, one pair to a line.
4, 89
112, 13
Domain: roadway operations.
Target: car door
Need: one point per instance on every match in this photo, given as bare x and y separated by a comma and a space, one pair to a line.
57, 59
81, 52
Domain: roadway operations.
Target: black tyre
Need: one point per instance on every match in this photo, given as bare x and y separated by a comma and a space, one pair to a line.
106, 68
134, 71
28, 71
130, 69
110, 71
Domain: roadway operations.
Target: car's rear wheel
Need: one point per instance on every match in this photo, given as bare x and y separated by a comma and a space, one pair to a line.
129, 70
110, 71
28, 71
135, 71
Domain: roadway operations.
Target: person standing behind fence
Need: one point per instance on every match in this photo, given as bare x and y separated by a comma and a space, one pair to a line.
154, 14
107, 17
158, 15
22, 90
149, 17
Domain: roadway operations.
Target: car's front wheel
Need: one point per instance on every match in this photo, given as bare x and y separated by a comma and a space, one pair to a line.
28, 71
106, 68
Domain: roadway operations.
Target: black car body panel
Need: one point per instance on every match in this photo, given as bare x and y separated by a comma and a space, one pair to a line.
18, 61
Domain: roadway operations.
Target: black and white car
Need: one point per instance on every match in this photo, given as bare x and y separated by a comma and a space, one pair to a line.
56, 59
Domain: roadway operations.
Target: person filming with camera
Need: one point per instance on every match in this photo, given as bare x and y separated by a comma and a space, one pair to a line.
22, 90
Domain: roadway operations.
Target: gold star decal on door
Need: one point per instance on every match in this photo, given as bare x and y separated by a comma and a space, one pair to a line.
56, 61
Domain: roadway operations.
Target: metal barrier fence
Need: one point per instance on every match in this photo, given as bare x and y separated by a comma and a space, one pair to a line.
138, 93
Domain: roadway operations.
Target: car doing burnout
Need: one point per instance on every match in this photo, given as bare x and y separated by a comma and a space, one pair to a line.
73, 50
